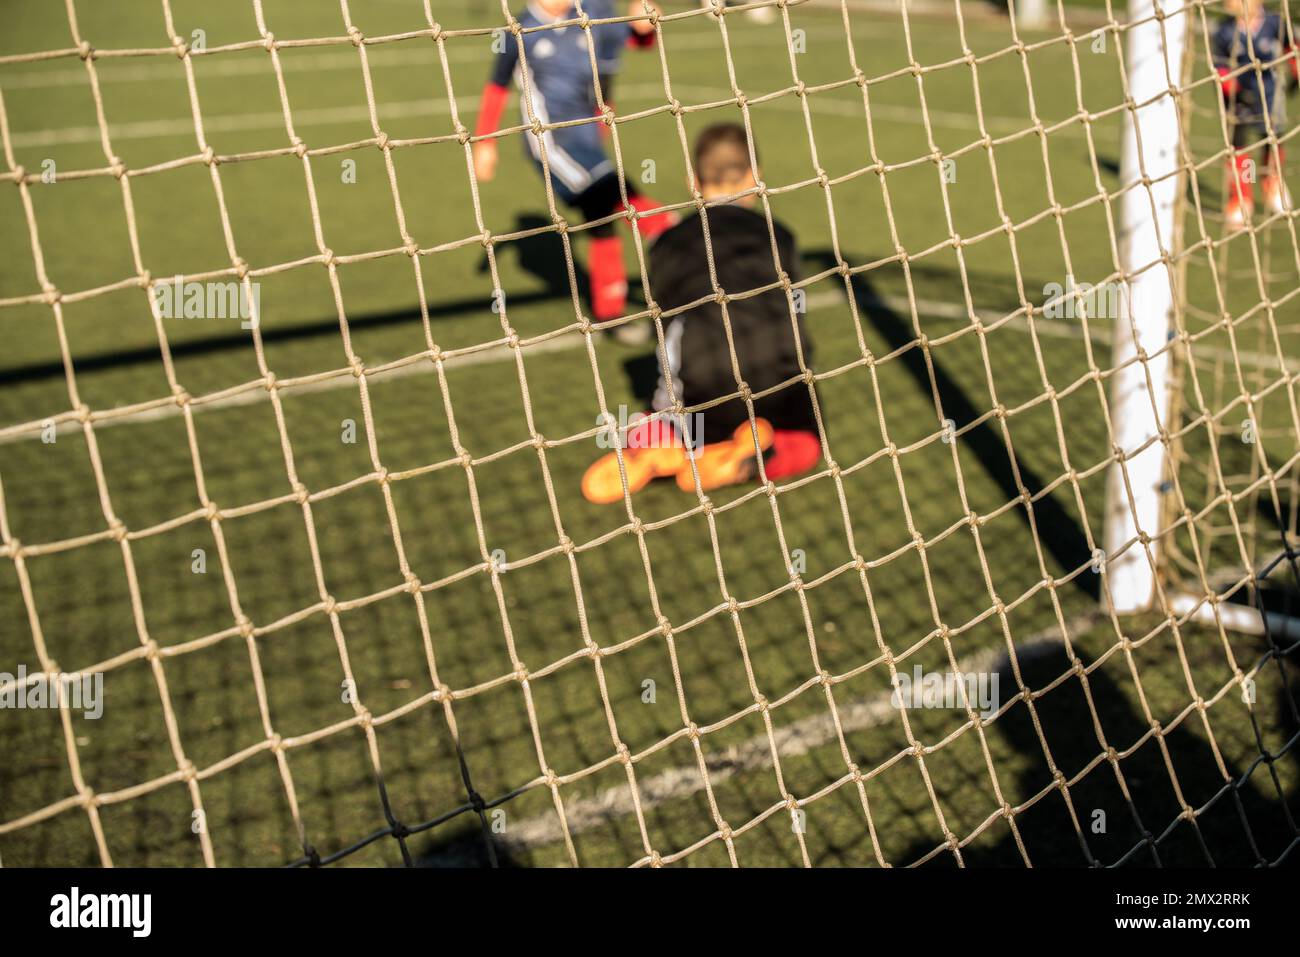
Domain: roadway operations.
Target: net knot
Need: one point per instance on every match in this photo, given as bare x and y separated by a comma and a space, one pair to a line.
85, 50
382, 476
733, 606
357, 366
327, 258
52, 294
299, 146
14, 549
300, 493
382, 141
19, 174
412, 582
355, 34
329, 605
624, 754
118, 167
268, 41
212, 512
270, 383
665, 626
245, 626
117, 528
693, 731
411, 248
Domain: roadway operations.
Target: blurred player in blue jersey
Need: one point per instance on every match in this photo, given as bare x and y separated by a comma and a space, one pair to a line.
562, 89
1263, 43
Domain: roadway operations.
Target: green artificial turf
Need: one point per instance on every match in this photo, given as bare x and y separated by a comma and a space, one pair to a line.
747, 673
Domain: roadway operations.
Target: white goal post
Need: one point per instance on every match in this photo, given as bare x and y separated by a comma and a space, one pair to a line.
1141, 384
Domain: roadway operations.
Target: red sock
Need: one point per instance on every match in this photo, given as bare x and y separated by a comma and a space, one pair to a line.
652, 434
793, 453
651, 226
1238, 180
608, 280
1273, 164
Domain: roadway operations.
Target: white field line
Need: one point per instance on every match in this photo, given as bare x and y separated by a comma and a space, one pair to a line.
431, 107
755, 754
385, 56
347, 60
1046, 328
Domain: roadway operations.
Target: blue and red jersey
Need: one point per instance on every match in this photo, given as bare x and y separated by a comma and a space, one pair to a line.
561, 88
1267, 43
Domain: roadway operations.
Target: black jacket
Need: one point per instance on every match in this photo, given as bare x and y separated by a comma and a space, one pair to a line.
698, 355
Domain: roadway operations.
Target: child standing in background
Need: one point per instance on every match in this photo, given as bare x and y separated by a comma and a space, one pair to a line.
561, 88
1263, 42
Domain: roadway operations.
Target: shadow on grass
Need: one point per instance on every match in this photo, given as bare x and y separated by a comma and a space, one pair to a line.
1056, 528
1127, 812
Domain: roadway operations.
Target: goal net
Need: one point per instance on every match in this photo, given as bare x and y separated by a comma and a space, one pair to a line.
295, 568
